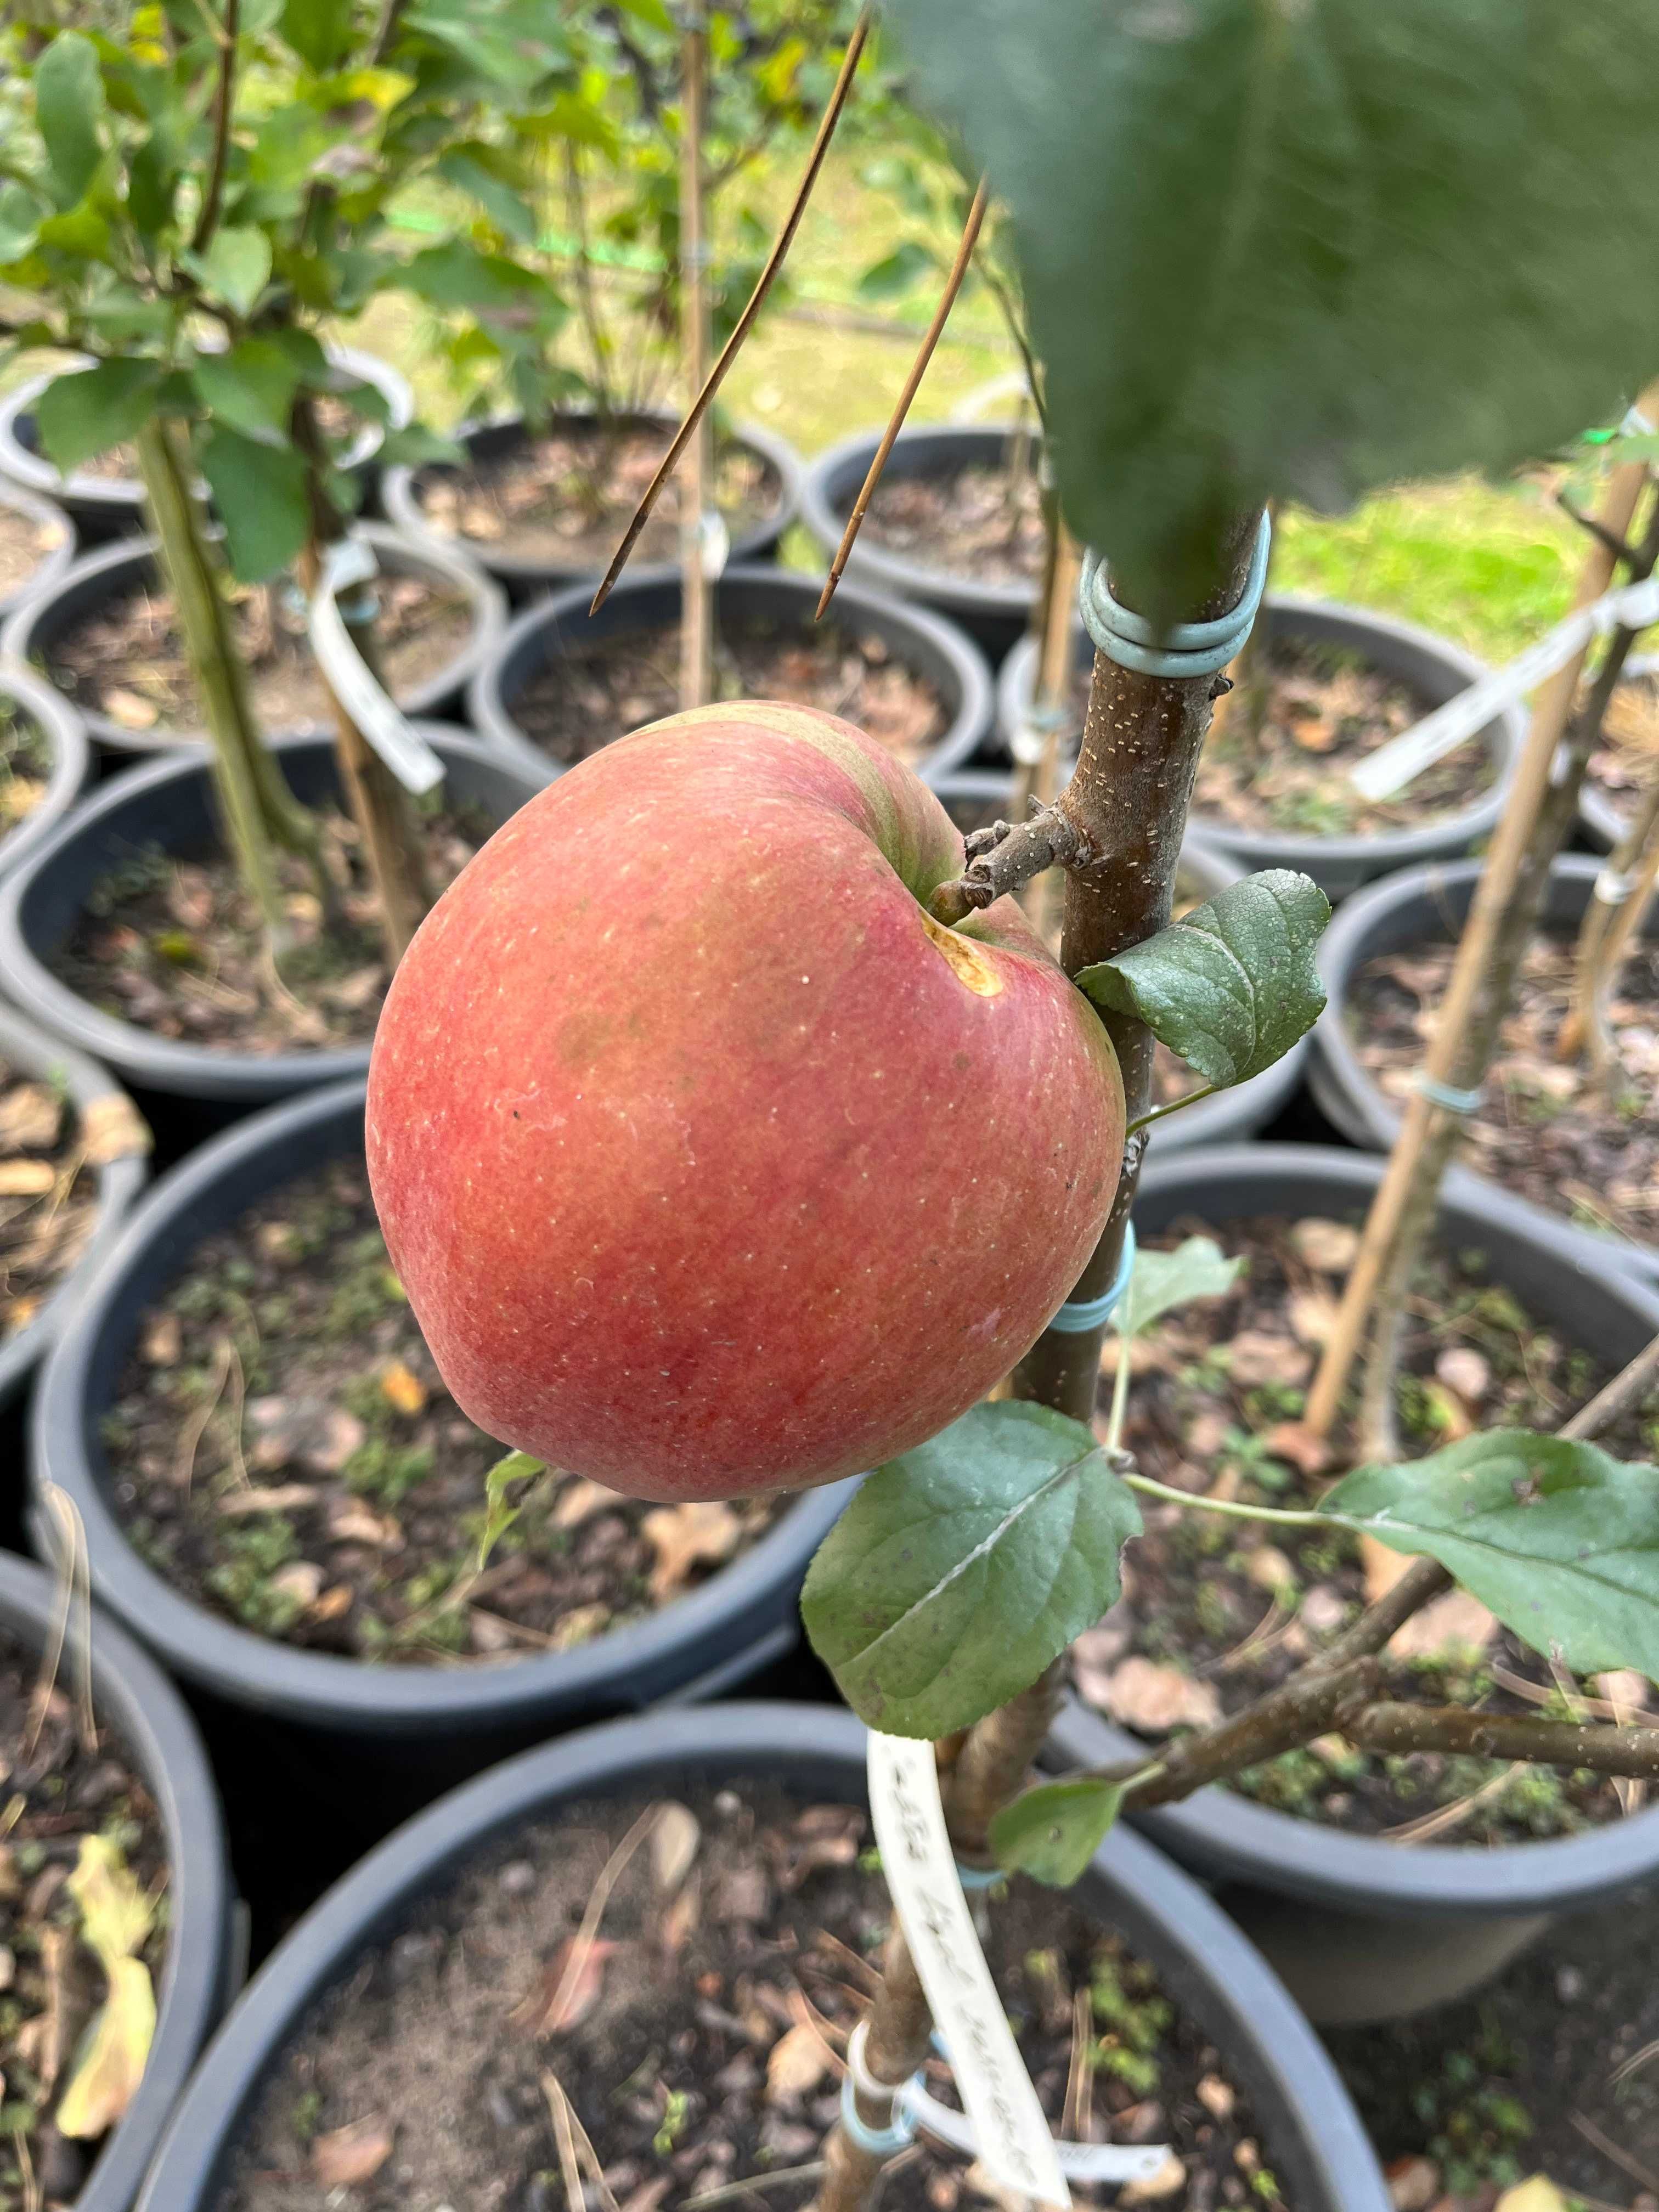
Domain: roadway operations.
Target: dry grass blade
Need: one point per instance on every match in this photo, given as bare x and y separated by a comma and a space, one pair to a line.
730, 2190
1425, 1829
763, 283
559, 2105
1645, 2176
970, 231
74, 1578
586, 2155
582, 1942
1634, 2064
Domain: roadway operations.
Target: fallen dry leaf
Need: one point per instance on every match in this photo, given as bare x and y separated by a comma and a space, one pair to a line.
681, 1919
26, 1178
1465, 1371
163, 1340
1313, 1315
1381, 1567
1413, 2183
1256, 1356
1330, 1246
674, 1842
798, 2062
1306, 1451
128, 710
561, 2000
1142, 1694
1216, 2096
402, 1388
266, 1497
681, 1537
1623, 1688
1170, 2178
31, 1115
580, 1500
301, 1580
1538, 2193
1094, 1655
350, 1522
1270, 1569
347, 2157
1454, 1623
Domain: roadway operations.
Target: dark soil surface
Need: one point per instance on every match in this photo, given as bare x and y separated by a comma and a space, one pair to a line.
282, 1450
125, 659
566, 498
699, 2038
574, 704
977, 521
1219, 1610
1545, 1129
48, 1193
63, 1787
24, 545
1325, 711
1626, 761
1552, 2069
25, 763
176, 947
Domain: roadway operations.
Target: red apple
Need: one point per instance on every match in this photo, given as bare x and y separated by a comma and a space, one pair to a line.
710, 1162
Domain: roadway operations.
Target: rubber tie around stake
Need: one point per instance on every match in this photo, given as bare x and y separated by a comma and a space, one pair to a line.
1075, 1316
875, 2142
979, 1877
1611, 889
1447, 1096
1192, 648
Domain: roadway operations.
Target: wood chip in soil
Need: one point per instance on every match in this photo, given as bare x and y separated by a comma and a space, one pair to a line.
566, 498
60, 1788
48, 1195
1219, 1611
1545, 1129
25, 763
175, 946
573, 705
1627, 760
125, 658
985, 523
705, 2045
24, 543
281, 1449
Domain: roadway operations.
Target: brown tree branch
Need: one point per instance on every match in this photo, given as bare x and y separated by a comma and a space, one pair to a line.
1048, 840
1308, 1705
1592, 1744
207, 221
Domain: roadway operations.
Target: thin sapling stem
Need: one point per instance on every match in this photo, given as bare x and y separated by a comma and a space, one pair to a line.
696, 590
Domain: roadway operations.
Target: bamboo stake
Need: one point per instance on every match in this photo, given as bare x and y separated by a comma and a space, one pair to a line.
745, 322
696, 592
1605, 932
918, 370
1493, 893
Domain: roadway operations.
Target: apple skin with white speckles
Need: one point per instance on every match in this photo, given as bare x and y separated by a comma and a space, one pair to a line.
711, 1163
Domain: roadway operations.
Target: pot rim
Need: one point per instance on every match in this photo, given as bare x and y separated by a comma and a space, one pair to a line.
1238, 1840
23, 499
133, 1697
315, 1688
491, 716
1215, 1971
71, 757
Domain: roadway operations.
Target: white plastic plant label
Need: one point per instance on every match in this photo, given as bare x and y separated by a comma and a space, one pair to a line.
713, 544
1395, 765
1001, 2119
404, 751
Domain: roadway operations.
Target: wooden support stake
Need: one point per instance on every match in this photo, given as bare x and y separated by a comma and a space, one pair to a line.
696, 592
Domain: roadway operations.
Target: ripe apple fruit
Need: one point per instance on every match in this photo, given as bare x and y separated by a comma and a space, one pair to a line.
711, 1162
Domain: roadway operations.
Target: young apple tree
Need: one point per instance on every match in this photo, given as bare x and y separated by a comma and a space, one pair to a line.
763, 1132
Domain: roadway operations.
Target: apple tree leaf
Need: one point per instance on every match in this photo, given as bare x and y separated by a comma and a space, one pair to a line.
68, 106
86, 410
251, 386
1301, 250
959, 1571
235, 266
259, 494
1196, 1269
1558, 1540
1052, 1831
1232, 985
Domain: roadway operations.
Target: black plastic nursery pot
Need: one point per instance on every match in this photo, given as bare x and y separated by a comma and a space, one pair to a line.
1310, 2134
526, 575
1602, 822
1360, 1929
172, 804
133, 1699
113, 505
995, 615
55, 725
1432, 665
54, 535
421, 1720
650, 601
27, 1050
1230, 1115
1429, 906
115, 571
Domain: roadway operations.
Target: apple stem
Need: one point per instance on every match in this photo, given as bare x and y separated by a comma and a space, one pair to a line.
1174, 1106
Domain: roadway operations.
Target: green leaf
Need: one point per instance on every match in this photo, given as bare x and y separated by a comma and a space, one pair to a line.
86, 410
259, 493
898, 272
959, 1571
1195, 1269
468, 170
499, 1515
1232, 985
1558, 1539
235, 268
251, 386
319, 31
1296, 250
20, 222
68, 106
415, 446
1052, 1831
648, 11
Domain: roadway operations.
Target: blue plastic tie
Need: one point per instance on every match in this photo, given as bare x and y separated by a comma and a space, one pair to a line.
1192, 648
1074, 1317
979, 1877
901, 2131
1447, 1096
